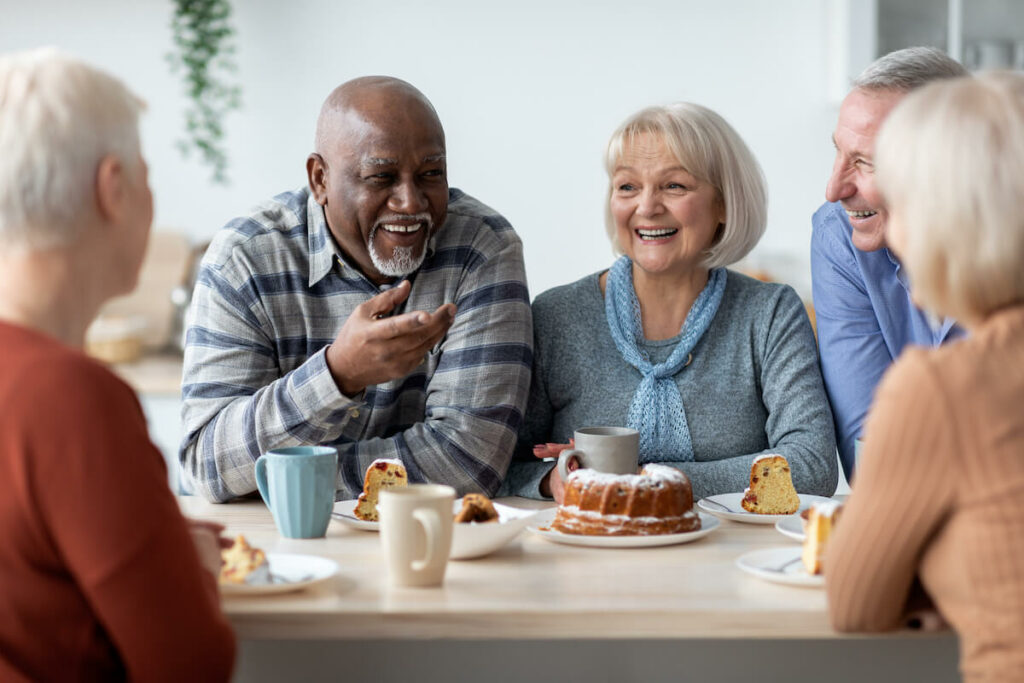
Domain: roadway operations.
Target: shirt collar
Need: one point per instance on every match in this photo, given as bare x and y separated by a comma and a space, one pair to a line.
940, 327
322, 250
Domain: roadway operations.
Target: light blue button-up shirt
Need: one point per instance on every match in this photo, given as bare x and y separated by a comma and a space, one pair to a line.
865, 317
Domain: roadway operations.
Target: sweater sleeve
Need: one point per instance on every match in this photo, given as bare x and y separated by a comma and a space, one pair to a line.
902, 493
799, 424
106, 504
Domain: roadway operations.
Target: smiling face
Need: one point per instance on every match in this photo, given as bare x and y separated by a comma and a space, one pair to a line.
665, 219
380, 174
852, 182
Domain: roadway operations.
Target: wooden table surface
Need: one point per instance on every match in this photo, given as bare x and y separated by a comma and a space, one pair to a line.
531, 588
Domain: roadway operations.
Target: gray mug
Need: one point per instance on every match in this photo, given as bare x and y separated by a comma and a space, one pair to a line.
605, 449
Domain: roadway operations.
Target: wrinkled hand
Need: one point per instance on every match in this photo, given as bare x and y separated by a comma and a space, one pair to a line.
209, 541
371, 349
552, 450
552, 484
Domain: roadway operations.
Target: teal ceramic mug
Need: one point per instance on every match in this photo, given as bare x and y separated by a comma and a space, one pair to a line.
298, 485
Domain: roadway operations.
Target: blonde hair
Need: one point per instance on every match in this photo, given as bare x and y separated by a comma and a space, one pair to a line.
709, 149
950, 164
58, 118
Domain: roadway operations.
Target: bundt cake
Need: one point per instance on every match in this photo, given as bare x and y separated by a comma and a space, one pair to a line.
771, 489
476, 507
241, 563
659, 500
820, 524
380, 474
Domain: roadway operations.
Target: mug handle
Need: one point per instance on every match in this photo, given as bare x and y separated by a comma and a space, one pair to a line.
431, 523
261, 479
563, 461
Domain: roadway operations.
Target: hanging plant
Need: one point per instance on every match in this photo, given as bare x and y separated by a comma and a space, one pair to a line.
204, 55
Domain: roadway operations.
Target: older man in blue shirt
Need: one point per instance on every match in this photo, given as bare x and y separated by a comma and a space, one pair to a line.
865, 314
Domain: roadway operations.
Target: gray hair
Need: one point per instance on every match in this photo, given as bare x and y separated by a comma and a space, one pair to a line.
713, 152
950, 164
58, 118
908, 69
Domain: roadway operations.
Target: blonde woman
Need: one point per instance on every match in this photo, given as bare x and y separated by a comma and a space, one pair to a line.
711, 367
939, 493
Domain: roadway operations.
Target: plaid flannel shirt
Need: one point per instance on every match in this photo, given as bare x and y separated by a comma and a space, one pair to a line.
272, 293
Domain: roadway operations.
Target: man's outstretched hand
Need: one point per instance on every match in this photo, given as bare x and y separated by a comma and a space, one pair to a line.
371, 348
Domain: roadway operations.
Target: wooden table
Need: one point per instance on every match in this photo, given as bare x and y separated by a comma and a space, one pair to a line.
536, 606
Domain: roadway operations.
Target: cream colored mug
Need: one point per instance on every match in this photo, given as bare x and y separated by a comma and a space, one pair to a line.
605, 449
416, 532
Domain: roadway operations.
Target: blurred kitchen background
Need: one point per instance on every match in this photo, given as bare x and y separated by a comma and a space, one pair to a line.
528, 93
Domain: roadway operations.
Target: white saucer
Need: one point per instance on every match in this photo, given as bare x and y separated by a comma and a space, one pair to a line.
729, 506
288, 573
707, 525
791, 526
779, 565
343, 513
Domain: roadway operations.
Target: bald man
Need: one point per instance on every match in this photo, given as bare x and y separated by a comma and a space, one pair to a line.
375, 310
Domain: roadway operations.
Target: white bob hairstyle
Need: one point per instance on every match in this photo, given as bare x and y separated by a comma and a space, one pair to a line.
58, 118
950, 164
709, 149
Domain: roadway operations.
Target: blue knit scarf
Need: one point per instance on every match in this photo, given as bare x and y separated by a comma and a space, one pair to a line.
657, 410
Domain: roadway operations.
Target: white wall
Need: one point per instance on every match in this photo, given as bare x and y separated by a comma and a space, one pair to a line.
528, 93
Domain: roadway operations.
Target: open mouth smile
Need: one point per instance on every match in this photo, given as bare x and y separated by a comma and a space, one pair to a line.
650, 234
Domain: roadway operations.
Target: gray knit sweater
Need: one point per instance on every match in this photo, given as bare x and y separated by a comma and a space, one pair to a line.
754, 386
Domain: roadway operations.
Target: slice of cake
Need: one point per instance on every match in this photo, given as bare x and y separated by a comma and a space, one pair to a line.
241, 563
380, 474
476, 507
820, 524
771, 490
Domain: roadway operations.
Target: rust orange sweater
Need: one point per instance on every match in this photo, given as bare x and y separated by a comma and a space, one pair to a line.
99, 579
939, 493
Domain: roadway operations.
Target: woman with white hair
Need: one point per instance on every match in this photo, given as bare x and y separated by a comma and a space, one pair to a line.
711, 367
939, 494
101, 578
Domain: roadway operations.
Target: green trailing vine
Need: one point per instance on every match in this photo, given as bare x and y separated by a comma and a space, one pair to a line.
204, 56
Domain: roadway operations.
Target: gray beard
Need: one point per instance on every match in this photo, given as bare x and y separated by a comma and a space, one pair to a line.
402, 261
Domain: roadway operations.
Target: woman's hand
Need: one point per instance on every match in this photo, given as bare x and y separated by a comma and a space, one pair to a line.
551, 450
552, 484
209, 542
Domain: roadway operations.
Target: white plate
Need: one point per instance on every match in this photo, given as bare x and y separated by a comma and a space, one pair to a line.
791, 526
779, 565
736, 513
343, 513
476, 539
288, 573
707, 525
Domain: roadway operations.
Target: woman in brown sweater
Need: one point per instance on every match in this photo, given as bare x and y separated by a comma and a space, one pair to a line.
101, 578
939, 492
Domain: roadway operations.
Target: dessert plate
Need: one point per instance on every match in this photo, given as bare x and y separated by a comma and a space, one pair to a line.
476, 539
707, 525
288, 573
779, 565
343, 513
791, 526
728, 506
